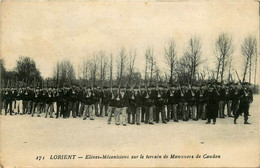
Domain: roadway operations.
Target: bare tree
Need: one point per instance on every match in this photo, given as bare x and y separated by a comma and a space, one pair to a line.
183, 69
150, 63
71, 72
146, 67
192, 58
219, 63
86, 74
249, 50
103, 66
229, 69
111, 70
132, 56
64, 73
256, 55
93, 70
157, 75
223, 49
57, 71
170, 55
121, 64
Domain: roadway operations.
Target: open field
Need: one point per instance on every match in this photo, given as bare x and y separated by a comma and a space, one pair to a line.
23, 138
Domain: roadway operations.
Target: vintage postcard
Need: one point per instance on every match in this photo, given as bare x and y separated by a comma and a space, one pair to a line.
129, 83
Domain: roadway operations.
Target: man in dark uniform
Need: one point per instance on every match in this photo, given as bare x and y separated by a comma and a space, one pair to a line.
96, 96
80, 102
138, 105
118, 106
112, 105
249, 89
26, 100
175, 102
72, 102
19, 98
132, 108
98, 101
88, 101
44, 97
202, 102
222, 98
213, 99
185, 96
66, 100
2, 99
169, 95
180, 96
143, 110
105, 99
60, 106
160, 102
193, 95
124, 103
172, 103
14, 94
8, 101
149, 100
30, 102
36, 102
121, 103
101, 96
228, 99
49, 103
76, 101
54, 100
246, 97
235, 99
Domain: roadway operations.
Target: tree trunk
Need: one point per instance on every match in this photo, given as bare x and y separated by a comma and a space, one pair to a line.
145, 75
250, 65
255, 69
218, 68
171, 77
223, 69
245, 71
151, 75
111, 71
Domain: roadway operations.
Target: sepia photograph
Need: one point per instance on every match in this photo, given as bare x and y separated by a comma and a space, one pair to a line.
129, 83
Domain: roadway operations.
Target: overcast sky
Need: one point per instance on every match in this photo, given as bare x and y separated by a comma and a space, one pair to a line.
52, 31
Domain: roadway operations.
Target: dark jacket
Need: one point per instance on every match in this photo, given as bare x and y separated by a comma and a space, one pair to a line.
28, 95
222, 94
66, 96
88, 98
37, 97
8, 95
202, 96
80, 96
149, 99
138, 99
212, 97
121, 100
49, 97
161, 98
44, 96
59, 96
20, 95
246, 96
72, 95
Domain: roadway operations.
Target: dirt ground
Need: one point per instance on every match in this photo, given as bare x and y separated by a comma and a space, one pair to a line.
23, 138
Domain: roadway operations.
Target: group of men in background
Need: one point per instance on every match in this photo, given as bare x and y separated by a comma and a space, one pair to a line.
133, 105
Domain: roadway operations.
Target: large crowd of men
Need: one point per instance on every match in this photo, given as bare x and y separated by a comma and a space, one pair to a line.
132, 105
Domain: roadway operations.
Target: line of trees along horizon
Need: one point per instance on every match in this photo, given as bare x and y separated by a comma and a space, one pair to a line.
106, 69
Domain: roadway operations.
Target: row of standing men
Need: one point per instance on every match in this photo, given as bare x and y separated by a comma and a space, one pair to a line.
133, 105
